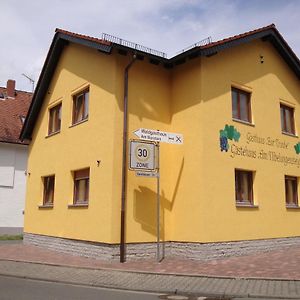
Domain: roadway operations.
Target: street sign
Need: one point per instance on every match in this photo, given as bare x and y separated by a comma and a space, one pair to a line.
146, 174
142, 156
159, 136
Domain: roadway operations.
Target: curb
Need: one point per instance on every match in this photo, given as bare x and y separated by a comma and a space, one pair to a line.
158, 289
152, 272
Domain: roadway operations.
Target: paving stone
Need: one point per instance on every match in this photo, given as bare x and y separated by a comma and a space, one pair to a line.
35, 262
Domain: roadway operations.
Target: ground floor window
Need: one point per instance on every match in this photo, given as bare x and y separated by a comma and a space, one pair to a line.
48, 196
291, 191
244, 187
81, 186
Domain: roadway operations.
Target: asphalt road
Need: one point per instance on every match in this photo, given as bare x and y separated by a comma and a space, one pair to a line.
12, 288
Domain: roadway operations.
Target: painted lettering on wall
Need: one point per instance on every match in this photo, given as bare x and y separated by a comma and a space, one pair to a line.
254, 138
273, 150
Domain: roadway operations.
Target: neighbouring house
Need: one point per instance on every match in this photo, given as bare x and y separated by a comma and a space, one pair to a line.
232, 187
14, 105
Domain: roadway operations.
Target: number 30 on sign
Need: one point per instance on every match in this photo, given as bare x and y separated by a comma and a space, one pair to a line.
142, 156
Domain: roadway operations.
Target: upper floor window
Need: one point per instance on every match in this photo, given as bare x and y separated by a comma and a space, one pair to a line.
48, 196
287, 119
54, 119
291, 191
81, 186
244, 187
80, 106
241, 106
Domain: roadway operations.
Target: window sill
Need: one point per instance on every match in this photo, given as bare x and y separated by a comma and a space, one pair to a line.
246, 205
292, 207
53, 133
243, 122
78, 205
289, 134
46, 206
80, 122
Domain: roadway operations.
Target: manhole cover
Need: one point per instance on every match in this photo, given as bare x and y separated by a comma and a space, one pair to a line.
209, 298
212, 298
190, 297
177, 297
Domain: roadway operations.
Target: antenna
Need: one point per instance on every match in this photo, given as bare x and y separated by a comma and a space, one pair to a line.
31, 81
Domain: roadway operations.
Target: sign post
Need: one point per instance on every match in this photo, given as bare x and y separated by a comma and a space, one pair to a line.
145, 161
158, 208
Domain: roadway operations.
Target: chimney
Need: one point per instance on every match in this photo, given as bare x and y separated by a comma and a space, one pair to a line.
10, 88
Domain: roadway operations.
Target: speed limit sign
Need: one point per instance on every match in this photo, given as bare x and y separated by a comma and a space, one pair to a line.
142, 155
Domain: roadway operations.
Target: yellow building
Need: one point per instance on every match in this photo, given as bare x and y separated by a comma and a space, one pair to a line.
231, 187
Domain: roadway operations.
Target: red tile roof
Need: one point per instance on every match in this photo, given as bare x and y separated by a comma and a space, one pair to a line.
210, 45
249, 33
11, 111
82, 36
269, 33
239, 36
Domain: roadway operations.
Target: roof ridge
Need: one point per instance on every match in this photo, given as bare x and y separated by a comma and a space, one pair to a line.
20, 91
222, 41
84, 36
269, 32
240, 35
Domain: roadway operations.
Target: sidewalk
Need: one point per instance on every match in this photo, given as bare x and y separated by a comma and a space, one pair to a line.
275, 274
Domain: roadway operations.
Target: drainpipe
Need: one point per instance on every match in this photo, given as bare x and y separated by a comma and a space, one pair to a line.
124, 160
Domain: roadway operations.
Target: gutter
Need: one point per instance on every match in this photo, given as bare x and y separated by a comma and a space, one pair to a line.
124, 161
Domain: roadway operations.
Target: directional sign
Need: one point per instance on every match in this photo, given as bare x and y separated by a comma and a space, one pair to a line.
159, 136
142, 155
147, 174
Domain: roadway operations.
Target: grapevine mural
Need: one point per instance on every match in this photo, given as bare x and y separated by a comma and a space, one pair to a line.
228, 133
297, 148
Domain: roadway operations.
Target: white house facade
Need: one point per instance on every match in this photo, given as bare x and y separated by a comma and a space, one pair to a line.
13, 158
13, 161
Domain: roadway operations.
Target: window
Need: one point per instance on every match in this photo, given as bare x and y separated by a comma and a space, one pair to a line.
7, 167
54, 119
48, 190
241, 109
81, 186
291, 191
80, 107
244, 187
287, 119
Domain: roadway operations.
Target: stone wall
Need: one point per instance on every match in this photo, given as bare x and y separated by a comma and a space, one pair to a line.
135, 251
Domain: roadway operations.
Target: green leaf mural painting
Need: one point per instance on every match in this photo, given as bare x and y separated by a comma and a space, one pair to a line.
297, 148
228, 133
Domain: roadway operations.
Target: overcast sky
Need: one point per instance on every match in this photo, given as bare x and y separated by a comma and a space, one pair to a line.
27, 27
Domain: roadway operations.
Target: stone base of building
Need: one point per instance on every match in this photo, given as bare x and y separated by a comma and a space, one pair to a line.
136, 251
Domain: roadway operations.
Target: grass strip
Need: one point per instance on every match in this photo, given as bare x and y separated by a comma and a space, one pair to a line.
7, 237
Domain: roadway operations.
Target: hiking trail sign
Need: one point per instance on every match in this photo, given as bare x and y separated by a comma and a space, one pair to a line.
159, 136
